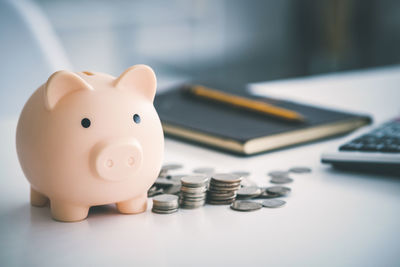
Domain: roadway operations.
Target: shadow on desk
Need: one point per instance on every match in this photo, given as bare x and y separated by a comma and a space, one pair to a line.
370, 171
42, 215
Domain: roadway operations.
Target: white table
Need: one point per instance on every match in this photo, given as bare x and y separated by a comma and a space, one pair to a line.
332, 218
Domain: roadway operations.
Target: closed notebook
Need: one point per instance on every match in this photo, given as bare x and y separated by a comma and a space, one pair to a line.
245, 132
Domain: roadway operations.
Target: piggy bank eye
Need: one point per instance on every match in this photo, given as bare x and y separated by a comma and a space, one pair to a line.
85, 123
136, 118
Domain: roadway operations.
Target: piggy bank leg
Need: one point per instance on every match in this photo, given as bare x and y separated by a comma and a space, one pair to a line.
38, 199
133, 205
67, 212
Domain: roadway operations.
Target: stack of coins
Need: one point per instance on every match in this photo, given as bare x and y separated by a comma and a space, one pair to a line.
223, 188
165, 204
193, 191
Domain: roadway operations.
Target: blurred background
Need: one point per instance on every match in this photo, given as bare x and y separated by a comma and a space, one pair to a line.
218, 40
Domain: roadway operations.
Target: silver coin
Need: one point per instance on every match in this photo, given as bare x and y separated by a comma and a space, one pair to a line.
176, 177
193, 190
171, 166
246, 205
194, 180
221, 194
281, 180
164, 211
213, 187
191, 200
273, 203
247, 182
220, 202
300, 169
163, 174
163, 182
221, 197
248, 192
243, 174
165, 198
278, 173
196, 205
278, 190
222, 185
204, 170
153, 188
193, 195
152, 193
172, 190
268, 195
213, 191
166, 205
226, 178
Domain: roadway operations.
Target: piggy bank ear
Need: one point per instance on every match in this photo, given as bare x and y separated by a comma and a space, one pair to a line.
60, 84
138, 78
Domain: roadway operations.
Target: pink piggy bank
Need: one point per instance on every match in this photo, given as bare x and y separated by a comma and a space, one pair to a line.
87, 139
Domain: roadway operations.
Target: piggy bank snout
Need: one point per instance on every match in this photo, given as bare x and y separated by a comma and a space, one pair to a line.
116, 160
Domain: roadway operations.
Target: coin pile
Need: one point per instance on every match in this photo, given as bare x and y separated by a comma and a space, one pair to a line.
193, 191
223, 187
165, 204
171, 191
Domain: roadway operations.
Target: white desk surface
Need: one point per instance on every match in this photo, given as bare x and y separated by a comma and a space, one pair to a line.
332, 218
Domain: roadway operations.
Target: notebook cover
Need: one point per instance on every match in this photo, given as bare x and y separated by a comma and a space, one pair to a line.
180, 109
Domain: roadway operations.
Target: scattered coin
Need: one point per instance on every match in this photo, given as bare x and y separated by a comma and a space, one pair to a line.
176, 177
165, 204
300, 170
281, 180
164, 182
171, 166
154, 191
204, 170
246, 205
246, 181
278, 190
173, 190
163, 174
268, 195
278, 173
248, 192
273, 203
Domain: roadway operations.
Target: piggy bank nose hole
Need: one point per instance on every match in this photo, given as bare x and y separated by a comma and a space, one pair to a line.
109, 163
131, 161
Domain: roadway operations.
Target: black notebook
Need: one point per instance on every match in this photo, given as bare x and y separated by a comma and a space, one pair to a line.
245, 132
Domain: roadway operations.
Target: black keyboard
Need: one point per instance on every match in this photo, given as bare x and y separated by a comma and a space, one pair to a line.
376, 151
385, 138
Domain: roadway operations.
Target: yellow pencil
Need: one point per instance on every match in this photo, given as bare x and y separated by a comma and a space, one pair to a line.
245, 103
